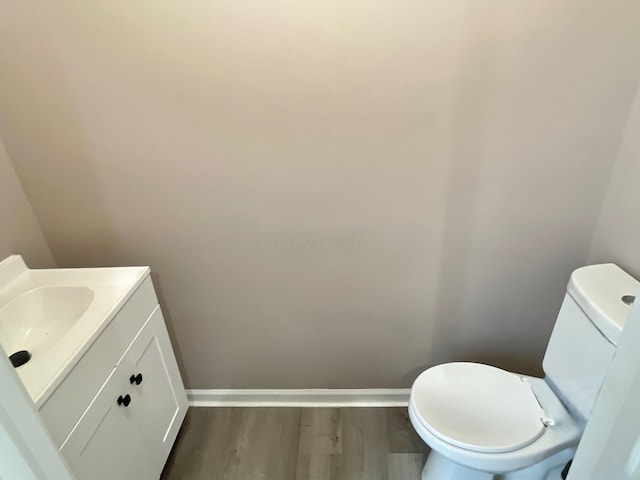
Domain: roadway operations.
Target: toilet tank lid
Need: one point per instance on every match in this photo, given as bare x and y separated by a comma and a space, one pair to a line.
598, 290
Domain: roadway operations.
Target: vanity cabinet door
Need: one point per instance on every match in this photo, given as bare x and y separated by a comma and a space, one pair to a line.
107, 443
156, 387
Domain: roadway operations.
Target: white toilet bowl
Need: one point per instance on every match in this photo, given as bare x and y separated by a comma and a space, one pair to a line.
481, 422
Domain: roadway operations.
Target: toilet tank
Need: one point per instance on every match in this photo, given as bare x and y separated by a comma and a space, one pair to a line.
586, 333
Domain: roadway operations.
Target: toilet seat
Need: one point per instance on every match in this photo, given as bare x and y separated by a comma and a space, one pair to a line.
478, 407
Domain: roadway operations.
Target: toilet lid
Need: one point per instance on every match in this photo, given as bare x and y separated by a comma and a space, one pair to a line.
477, 407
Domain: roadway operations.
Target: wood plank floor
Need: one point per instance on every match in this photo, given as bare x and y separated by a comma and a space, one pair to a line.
296, 444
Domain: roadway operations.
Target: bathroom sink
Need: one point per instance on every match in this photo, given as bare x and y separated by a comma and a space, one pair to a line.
38, 318
55, 315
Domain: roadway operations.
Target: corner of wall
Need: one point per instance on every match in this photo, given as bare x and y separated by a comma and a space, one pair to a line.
22, 233
616, 231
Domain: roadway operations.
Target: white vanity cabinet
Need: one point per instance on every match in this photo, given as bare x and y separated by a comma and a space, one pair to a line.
127, 428
108, 442
158, 399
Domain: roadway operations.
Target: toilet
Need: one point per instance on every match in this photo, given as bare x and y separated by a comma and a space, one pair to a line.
484, 423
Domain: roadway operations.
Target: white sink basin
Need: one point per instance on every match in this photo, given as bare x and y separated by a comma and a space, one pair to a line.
37, 319
55, 315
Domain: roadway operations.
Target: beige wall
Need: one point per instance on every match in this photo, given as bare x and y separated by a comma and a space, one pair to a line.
332, 193
617, 236
20, 232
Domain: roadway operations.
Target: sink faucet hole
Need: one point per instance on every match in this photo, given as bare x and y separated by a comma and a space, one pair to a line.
19, 358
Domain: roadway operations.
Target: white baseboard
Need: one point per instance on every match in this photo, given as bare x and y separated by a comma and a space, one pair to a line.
378, 397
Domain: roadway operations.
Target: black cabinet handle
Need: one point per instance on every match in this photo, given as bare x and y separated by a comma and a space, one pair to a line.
126, 400
137, 379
